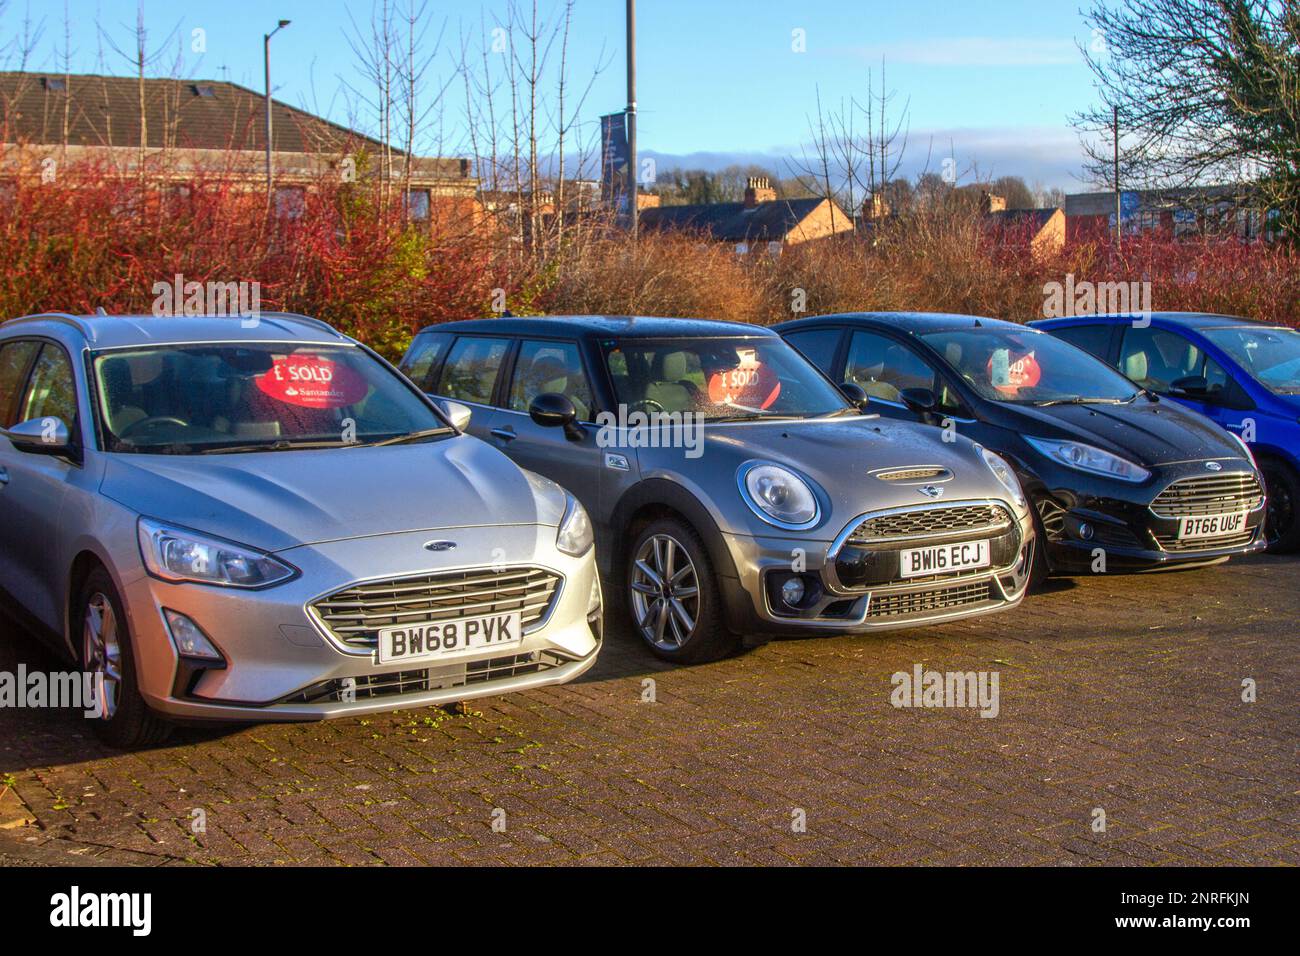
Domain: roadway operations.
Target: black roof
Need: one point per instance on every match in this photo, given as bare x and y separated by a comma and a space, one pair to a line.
587, 326
914, 322
1189, 320
768, 221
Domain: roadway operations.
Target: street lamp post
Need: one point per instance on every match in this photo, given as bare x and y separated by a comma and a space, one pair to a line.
631, 116
266, 61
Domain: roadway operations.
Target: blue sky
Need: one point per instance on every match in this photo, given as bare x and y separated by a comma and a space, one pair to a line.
719, 80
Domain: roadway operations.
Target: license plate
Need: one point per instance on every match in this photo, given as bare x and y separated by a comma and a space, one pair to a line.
944, 558
1211, 526
428, 640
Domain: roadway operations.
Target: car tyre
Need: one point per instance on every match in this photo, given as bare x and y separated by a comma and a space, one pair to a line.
1283, 488
672, 595
104, 643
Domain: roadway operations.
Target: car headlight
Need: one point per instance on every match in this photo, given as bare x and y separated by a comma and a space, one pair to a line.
1083, 457
1004, 473
575, 536
1250, 455
178, 554
778, 495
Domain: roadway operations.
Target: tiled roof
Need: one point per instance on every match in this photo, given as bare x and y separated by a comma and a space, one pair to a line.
179, 114
732, 221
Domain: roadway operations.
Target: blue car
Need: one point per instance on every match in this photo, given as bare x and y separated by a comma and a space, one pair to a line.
1244, 375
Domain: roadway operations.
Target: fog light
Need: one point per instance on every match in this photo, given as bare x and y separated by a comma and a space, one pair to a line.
594, 601
189, 638
792, 591
1085, 531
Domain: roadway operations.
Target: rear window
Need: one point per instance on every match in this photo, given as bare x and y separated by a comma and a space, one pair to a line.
425, 352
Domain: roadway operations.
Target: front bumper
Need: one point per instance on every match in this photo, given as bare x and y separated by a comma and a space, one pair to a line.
282, 662
1126, 529
754, 604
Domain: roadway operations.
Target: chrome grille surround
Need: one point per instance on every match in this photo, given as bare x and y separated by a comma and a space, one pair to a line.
353, 616
942, 521
1209, 495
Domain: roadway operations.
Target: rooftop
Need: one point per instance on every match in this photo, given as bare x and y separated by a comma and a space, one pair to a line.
117, 331
622, 326
769, 221
178, 113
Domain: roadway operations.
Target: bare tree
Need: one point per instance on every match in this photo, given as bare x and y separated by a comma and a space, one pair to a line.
1205, 91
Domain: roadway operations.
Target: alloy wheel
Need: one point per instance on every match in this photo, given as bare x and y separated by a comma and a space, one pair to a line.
102, 649
665, 592
1280, 512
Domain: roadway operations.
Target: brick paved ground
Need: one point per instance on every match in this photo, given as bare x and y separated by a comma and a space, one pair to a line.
1123, 694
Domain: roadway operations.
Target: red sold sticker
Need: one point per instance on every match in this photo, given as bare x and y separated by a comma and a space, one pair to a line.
312, 382
750, 385
1010, 375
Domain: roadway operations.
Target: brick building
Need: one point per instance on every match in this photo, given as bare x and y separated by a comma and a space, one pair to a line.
178, 129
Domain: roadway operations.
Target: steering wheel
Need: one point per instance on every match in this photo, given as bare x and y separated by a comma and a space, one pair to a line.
151, 422
641, 406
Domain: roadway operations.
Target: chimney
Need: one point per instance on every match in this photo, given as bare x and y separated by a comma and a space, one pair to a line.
875, 207
990, 202
758, 189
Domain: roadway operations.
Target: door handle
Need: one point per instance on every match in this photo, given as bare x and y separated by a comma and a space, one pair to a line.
4, 477
505, 434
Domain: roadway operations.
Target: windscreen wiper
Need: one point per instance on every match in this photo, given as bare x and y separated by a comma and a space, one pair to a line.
1079, 400
415, 436
281, 445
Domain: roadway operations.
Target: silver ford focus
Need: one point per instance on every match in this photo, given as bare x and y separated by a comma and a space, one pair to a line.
238, 520
735, 490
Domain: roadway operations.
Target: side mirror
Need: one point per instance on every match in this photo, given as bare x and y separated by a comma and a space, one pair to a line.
42, 436
855, 393
553, 410
458, 414
1192, 386
920, 400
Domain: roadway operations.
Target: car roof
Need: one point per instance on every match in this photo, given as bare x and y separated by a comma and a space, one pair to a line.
915, 322
118, 331
1187, 320
601, 326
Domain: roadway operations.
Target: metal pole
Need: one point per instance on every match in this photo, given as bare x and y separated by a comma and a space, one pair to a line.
266, 61
631, 115
1119, 222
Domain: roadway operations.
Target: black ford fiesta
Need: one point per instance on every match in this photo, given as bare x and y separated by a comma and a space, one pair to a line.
1121, 480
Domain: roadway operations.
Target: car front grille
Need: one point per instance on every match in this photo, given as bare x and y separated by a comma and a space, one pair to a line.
989, 519
355, 615
910, 603
1171, 544
1209, 495
447, 676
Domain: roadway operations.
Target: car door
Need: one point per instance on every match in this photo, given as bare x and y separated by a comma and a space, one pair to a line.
469, 376
1156, 358
551, 365
36, 488
16, 358
884, 366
